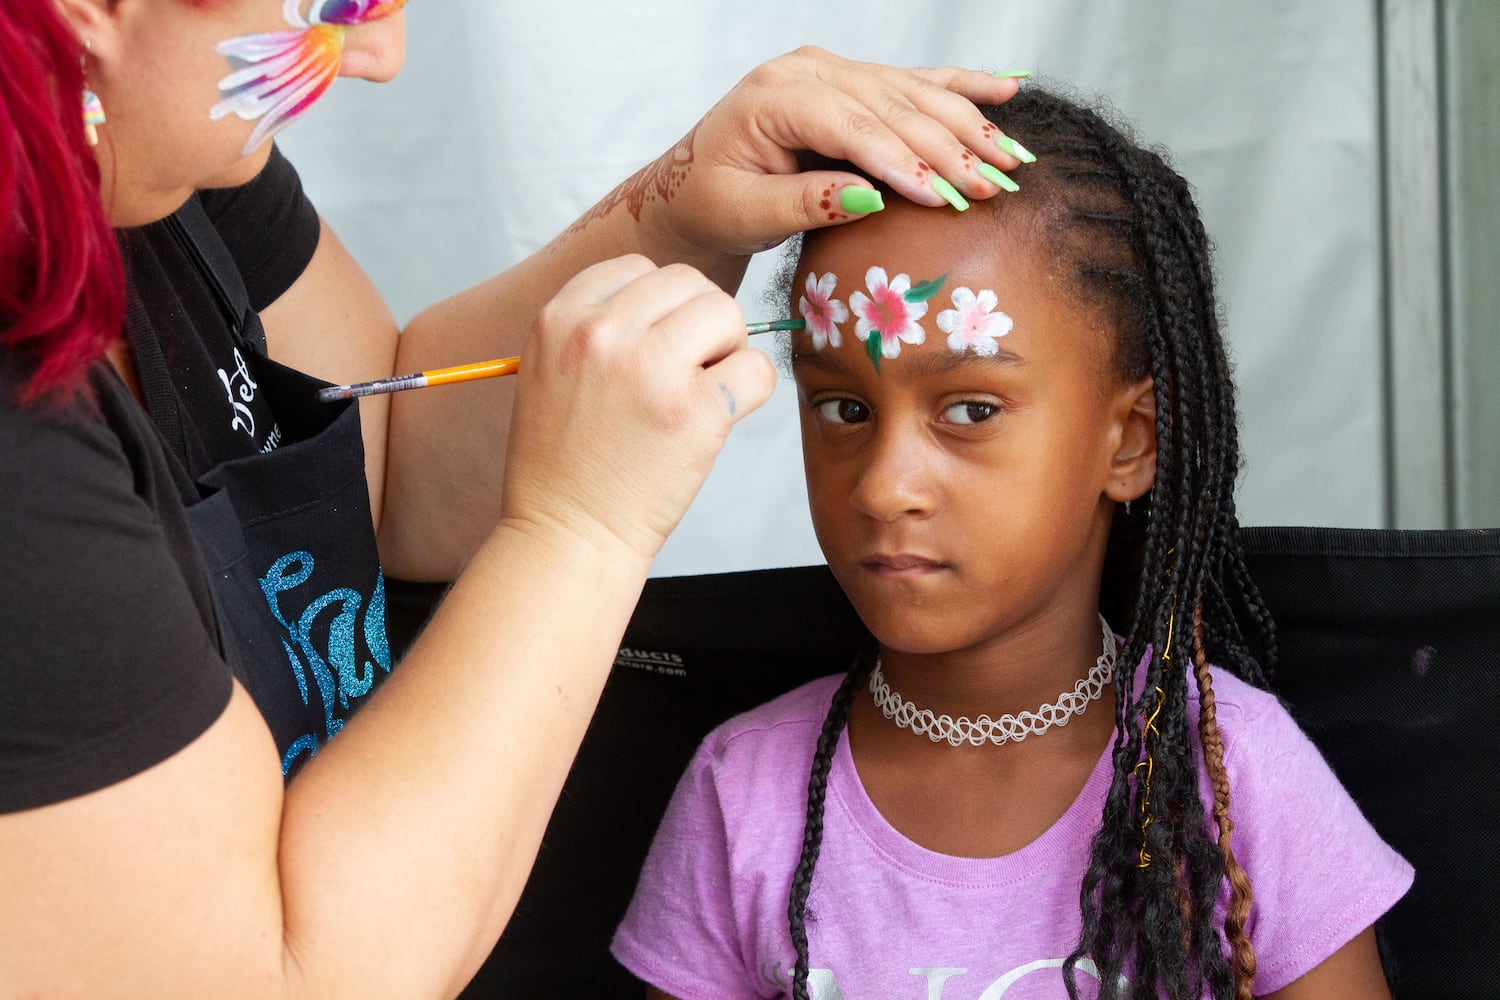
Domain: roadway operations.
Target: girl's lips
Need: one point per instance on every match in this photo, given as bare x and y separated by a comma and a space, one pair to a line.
902, 564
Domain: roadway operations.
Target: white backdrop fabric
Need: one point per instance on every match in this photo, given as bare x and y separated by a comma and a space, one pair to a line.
511, 119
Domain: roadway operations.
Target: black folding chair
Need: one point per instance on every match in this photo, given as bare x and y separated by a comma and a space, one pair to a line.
1388, 644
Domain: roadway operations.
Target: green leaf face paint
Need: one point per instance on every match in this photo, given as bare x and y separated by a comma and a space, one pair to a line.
888, 312
926, 290
886, 318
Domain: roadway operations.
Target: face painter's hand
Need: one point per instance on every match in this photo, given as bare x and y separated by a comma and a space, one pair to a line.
734, 182
633, 376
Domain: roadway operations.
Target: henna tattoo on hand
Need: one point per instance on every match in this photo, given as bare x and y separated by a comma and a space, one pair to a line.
659, 180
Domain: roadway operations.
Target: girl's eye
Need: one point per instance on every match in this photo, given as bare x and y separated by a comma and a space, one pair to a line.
970, 413
843, 411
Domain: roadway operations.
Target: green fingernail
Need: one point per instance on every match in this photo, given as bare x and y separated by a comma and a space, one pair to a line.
1014, 148
858, 200
995, 177
1014, 74
950, 194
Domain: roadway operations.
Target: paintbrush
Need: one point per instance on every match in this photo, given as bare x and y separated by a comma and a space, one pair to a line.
479, 370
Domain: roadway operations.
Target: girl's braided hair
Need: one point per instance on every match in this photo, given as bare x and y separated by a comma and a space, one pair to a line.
1123, 234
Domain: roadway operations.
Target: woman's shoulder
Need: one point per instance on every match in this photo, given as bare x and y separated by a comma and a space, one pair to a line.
269, 226
62, 432
109, 663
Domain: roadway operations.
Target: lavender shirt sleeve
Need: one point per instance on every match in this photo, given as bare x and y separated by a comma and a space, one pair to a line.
680, 933
1319, 872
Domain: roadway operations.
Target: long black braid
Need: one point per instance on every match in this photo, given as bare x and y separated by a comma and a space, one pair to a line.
812, 833
1125, 236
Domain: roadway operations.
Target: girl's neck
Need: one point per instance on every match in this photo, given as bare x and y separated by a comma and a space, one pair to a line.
989, 800
1021, 670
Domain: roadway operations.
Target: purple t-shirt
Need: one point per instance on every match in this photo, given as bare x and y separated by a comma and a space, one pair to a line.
890, 920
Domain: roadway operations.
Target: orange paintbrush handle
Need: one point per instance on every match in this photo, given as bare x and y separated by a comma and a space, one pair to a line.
478, 370
468, 373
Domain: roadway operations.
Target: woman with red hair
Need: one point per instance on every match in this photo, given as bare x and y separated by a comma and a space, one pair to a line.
193, 562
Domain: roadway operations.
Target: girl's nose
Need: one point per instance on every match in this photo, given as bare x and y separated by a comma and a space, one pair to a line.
375, 51
893, 481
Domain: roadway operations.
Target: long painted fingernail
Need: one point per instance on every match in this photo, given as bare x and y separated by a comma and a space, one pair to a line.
1014, 74
1014, 148
950, 194
995, 177
858, 200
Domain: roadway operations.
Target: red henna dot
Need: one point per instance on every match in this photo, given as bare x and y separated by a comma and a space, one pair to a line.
826, 204
922, 166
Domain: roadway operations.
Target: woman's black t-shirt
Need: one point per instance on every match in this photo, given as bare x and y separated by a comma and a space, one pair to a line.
111, 657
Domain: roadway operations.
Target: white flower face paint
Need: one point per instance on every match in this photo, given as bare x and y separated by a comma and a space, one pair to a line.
822, 311
973, 323
889, 315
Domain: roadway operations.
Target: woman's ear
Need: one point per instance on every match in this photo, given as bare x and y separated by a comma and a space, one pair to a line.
1132, 467
93, 21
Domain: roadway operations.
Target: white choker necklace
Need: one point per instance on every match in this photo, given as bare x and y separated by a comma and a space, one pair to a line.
1011, 728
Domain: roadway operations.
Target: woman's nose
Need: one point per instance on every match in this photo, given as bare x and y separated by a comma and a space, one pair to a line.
376, 50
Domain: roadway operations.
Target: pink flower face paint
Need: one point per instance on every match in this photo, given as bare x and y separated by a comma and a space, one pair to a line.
279, 75
973, 324
888, 316
822, 311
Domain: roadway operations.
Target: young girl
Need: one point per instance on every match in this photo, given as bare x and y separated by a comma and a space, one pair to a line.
1005, 411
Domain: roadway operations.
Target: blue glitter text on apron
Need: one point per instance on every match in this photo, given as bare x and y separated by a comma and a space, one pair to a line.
336, 672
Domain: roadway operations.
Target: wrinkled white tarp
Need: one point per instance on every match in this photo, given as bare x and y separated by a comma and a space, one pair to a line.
512, 118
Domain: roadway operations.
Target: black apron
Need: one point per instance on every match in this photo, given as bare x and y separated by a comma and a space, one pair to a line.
284, 530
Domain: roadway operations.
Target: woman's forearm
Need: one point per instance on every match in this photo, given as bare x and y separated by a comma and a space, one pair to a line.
429, 808
446, 449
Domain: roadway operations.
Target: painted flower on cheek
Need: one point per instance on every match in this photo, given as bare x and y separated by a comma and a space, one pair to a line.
822, 311
889, 314
973, 323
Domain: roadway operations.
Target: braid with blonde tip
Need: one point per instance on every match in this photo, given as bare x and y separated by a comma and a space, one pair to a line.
1240, 894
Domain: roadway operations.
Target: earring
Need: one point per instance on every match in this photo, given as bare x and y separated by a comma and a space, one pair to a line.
93, 108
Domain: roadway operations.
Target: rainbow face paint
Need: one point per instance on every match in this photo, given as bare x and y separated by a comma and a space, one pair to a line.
278, 75
889, 312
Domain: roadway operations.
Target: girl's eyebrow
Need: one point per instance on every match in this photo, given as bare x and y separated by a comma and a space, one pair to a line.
825, 361
941, 362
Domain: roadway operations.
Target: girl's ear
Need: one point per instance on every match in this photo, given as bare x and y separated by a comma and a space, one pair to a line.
1132, 467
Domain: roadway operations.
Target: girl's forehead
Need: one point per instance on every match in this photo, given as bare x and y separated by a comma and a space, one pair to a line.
917, 280
915, 239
